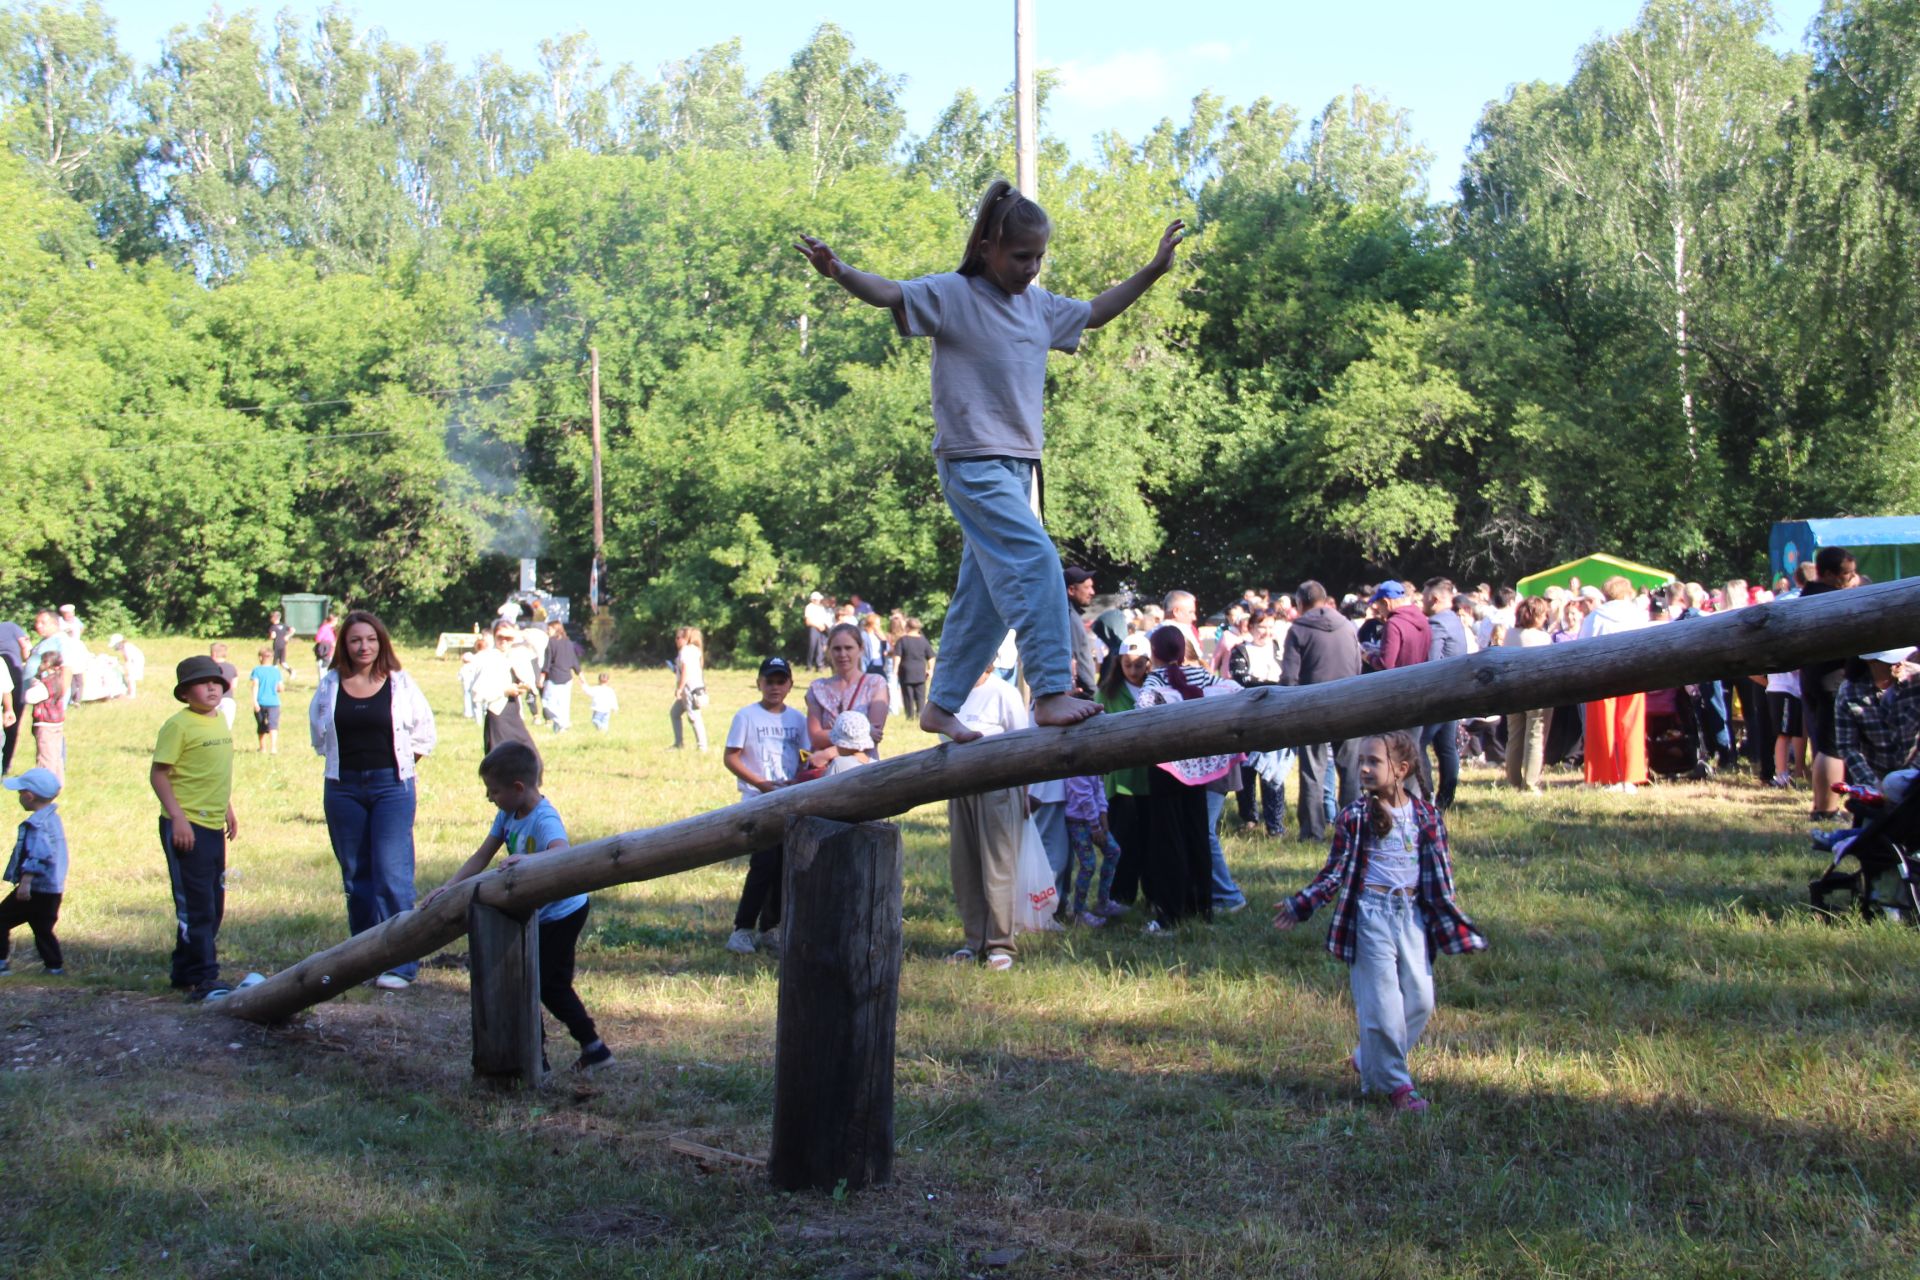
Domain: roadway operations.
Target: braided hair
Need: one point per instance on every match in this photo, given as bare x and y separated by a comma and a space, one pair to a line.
1169, 644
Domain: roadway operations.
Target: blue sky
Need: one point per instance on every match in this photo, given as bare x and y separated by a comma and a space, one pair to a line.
1124, 64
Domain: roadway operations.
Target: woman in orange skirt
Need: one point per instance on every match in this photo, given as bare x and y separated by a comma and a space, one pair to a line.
1616, 746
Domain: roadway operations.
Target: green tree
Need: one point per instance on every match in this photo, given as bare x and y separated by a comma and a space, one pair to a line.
831, 110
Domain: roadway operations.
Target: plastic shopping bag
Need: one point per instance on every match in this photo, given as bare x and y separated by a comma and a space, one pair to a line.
1035, 896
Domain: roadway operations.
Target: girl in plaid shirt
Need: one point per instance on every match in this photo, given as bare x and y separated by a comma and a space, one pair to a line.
1391, 879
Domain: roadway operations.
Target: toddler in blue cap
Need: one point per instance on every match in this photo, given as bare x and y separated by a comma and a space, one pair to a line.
37, 870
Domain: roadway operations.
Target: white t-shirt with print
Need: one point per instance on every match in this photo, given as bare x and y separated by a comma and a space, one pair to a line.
989, 359
772, 741
1393, 860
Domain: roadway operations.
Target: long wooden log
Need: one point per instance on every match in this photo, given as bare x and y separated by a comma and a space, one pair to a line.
1770, 637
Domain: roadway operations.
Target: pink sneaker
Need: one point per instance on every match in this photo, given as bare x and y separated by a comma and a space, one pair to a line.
1405, 1098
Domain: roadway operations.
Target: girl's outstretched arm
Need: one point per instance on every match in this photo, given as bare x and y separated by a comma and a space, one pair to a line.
1128, 291
874, 290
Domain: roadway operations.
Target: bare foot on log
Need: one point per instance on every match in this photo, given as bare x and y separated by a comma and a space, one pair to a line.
937, 719
1063, 709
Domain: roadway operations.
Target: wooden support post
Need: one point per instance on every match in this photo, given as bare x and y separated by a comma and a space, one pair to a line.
503, 958
839, 993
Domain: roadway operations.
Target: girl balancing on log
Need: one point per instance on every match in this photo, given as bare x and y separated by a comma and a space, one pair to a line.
1394, 879
991, 328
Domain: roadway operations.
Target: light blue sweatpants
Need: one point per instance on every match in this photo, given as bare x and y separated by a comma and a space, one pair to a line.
1009, 578
1392, 988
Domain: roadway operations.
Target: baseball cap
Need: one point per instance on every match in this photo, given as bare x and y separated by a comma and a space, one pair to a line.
1076, 575
776, 667
1387, 591
41, 782
1136, 646
1892, 657
816, 597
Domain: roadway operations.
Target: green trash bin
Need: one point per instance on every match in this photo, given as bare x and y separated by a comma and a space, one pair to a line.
304, 613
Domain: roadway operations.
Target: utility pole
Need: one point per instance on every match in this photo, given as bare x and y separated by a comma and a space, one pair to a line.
599, 506
1025, 163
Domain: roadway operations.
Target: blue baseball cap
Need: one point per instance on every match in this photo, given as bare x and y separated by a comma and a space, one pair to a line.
39, 781
1387, 591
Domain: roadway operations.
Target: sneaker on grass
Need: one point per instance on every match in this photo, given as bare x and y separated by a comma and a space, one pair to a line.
209, 991
740, 942
391, 982
594, 1055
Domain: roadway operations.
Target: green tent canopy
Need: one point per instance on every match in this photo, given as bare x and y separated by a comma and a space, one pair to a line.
1592, 571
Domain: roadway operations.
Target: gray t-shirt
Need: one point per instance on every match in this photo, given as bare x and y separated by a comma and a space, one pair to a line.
989, 359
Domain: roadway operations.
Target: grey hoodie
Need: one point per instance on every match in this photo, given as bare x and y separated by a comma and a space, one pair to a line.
1321, 646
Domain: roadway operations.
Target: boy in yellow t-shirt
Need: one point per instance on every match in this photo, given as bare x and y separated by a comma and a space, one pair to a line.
193, 776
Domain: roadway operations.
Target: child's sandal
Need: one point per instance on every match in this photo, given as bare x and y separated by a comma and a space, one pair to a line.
1406, 1098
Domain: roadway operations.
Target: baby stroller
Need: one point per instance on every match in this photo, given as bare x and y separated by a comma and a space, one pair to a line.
1875, 868
1675, 746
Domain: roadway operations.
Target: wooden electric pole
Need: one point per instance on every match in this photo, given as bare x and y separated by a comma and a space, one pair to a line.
1025, 128
599, 505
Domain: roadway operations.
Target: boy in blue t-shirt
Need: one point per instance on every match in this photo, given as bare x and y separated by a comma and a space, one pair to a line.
266, 680
526, 825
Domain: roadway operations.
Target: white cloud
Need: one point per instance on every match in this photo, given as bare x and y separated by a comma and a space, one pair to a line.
1135, 75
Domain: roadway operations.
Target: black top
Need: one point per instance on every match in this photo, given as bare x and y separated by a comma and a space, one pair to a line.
364, 728
563, 661
1815, 673
278, 633
914, 653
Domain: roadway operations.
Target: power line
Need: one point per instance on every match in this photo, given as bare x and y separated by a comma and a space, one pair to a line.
203, 410
286, 439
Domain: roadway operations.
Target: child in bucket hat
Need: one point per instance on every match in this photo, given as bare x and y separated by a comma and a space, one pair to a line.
852, 737
193, 777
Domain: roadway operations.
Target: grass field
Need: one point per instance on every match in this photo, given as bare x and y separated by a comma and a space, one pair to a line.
1664, 1067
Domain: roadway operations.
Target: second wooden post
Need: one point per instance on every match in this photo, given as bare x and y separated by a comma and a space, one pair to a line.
839, 996
503, 959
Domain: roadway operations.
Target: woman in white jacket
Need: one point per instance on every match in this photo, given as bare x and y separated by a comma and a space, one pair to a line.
371, 724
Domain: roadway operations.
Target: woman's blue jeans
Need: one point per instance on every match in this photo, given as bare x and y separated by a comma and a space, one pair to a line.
370, 821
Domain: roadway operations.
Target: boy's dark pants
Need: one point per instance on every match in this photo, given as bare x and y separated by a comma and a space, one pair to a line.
557, 941
199, 877
39, 913
760, 895
1127, 820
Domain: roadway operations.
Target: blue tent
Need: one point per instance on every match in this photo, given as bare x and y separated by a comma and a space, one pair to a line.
1885, 547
